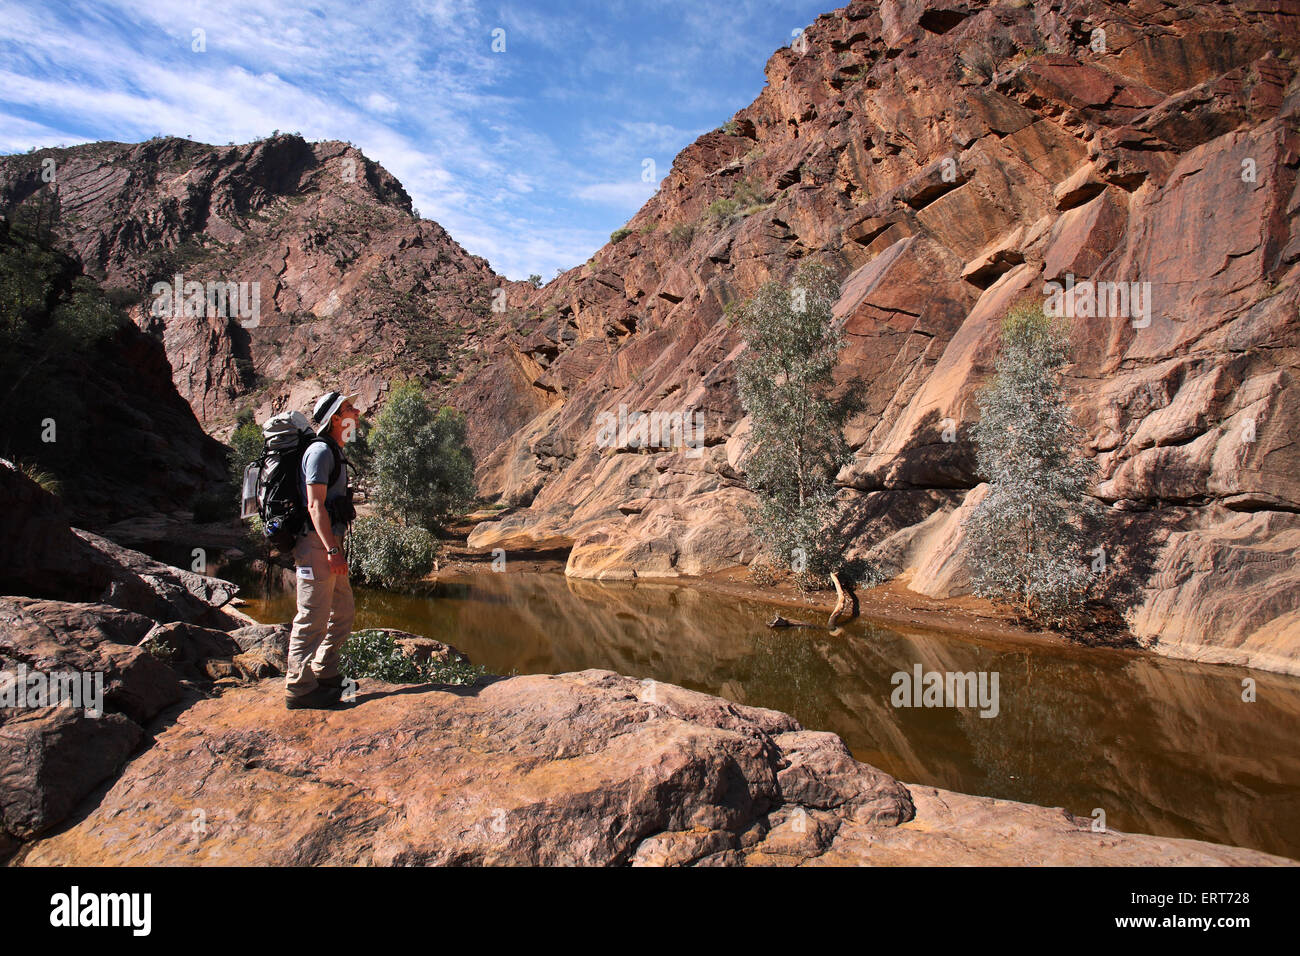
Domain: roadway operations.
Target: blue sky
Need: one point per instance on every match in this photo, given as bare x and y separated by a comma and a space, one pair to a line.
529, 157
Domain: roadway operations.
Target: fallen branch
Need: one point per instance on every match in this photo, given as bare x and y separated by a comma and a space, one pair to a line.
779, 621
844, 599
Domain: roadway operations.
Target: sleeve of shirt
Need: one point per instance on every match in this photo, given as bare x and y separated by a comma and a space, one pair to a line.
316, 464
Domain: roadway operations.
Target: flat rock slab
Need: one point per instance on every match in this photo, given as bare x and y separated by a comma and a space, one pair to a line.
587, 768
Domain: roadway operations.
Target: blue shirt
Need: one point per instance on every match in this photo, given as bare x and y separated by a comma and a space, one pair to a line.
317, 461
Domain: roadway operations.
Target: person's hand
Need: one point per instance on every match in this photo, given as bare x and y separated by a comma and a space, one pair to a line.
338, 564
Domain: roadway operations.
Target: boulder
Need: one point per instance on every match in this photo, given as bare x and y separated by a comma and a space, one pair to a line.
54, 636
139, 583
53, 757
586, 768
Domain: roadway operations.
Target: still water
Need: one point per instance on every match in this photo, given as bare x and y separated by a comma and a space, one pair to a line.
1162, 746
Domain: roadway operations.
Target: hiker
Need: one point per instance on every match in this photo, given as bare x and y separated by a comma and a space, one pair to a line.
325, 605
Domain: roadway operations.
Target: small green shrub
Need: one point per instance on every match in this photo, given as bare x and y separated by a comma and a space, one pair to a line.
725, 210
159, 650
619, 234
682, 233
375, 654
385, 553
746, 198
761, 573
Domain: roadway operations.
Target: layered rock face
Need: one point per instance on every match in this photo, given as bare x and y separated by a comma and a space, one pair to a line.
951, 160
350, 287
587, 768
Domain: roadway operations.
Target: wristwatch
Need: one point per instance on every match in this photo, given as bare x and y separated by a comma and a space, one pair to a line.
332, 551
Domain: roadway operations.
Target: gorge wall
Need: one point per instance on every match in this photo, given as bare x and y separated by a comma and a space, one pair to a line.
947, 159
351, 285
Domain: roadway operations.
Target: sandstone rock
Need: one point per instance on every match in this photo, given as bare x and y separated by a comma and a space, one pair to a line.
53, 636
1227, 590
585, 768
41, 556
189, 649
271, 641
51, 758
568, 769
820, 773
424, 649
955, 828
139, 583
941, 570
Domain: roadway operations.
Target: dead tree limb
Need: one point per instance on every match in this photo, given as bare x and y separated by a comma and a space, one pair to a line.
845, 602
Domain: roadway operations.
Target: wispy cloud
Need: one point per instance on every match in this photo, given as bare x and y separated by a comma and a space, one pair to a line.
529, 154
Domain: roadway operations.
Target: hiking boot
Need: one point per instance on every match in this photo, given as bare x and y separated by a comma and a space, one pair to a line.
337, 686
319, 698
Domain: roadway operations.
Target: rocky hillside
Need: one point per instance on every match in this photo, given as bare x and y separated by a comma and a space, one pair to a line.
351, 286
949, 158
88, 398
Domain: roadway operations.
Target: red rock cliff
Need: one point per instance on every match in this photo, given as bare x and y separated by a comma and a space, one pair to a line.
950, 158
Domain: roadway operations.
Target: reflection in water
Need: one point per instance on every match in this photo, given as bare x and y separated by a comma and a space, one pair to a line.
1163, 746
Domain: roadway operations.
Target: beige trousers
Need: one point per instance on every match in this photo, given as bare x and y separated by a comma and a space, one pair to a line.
324, 618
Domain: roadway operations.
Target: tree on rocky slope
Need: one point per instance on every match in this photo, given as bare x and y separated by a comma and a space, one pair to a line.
1024, 540
423, 473
785, 382
423, 469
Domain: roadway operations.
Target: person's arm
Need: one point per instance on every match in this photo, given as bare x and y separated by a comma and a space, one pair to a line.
320, 519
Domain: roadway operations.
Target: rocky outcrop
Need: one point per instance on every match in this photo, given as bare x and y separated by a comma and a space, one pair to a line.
51, 757
352, 288
949, 166
141, 635
587, 768
100, 414
44, 557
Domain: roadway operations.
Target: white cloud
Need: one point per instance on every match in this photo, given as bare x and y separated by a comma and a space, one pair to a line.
379, 103
501, 149
18, 135
629, 194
